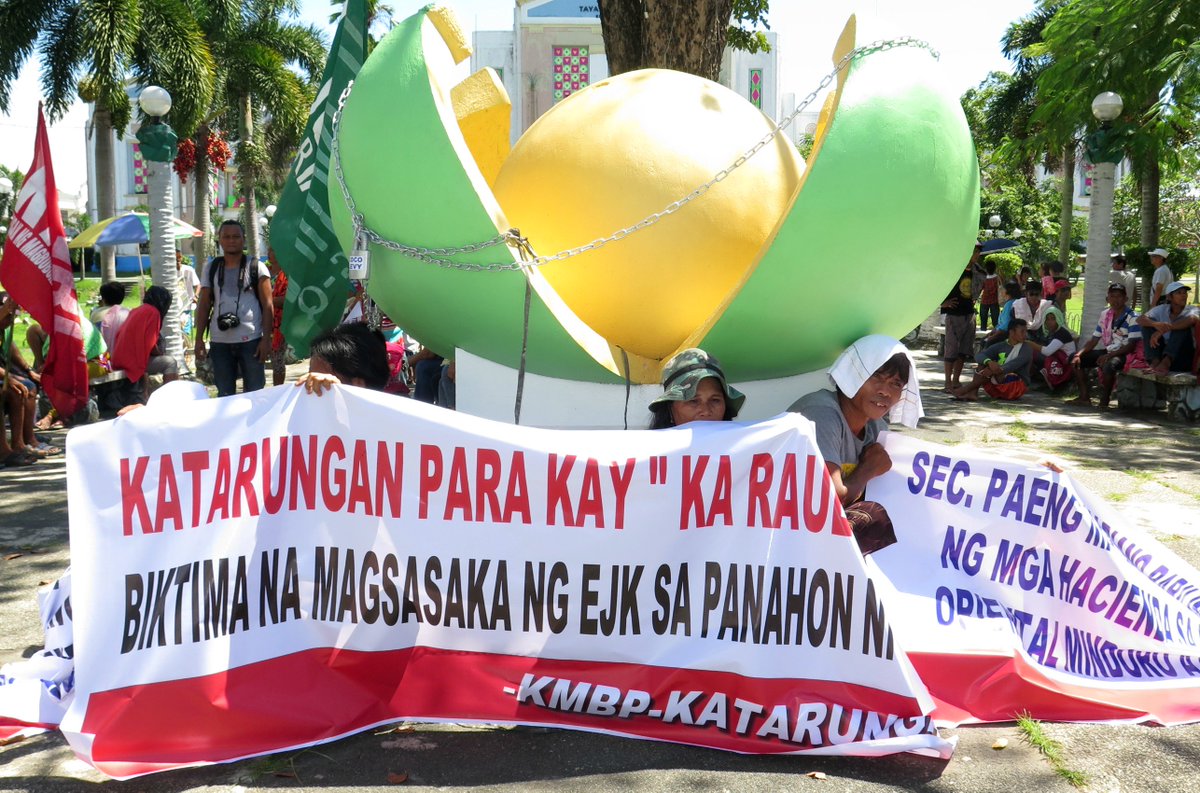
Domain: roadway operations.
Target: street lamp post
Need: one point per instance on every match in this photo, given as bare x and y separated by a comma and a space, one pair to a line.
1104, 150
157, 141
994, 223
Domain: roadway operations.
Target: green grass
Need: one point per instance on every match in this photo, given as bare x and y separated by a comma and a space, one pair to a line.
87, 293
1033, 734
1019, 431
1182, 490
277, 765
1140, 475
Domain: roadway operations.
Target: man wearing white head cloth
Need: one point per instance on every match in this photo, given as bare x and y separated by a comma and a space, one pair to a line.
873, 378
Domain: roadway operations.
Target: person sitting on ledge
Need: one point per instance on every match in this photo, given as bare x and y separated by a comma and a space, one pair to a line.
110, 314
1033, 310
1003, 367
138, 350
873, 378
694, 389
1118, 332
1172, 346
1053, 358
1013, 291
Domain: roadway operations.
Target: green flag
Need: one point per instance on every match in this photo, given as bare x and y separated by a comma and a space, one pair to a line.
301, 231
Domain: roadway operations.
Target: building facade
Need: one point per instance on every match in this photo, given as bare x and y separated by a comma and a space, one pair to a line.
556, 48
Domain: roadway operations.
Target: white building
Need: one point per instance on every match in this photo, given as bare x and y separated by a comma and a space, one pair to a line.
556, 48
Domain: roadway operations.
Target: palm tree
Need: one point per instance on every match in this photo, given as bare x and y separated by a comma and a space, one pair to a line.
92, 48
1011, 114
255, 44
377, 12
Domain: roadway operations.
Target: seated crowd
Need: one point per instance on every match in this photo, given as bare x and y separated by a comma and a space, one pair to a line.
1031, 341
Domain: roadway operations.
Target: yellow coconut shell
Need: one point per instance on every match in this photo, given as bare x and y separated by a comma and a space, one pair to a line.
626, 148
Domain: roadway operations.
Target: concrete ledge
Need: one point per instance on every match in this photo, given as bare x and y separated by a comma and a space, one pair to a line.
111, 377
1172, 378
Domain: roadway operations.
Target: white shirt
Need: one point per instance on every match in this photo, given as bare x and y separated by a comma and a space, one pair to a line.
1035, 319
189, 283
1128, 280
1162, 276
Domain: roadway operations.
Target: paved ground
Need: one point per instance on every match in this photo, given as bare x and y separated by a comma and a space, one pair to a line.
1148, 467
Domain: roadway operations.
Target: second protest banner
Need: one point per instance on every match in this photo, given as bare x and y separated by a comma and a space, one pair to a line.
1014, 590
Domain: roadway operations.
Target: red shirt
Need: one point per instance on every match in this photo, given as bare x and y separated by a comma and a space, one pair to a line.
990, 295
278, 289
136, 340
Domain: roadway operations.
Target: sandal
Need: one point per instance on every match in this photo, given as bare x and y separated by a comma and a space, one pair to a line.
46, 450
19, 458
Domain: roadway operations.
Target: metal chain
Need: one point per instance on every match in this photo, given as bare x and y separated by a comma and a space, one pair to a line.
512, 237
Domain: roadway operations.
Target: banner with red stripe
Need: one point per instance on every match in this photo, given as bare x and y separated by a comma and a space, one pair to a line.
337, 562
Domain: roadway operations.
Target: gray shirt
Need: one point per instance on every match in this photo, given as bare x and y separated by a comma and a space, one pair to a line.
1163, 314
235, 296
837, 442
1011, 359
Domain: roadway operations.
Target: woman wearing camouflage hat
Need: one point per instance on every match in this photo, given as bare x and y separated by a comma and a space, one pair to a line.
694, 389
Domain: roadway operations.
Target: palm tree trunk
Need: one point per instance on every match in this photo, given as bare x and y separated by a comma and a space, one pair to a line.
1099, 247
203, 188
1148, 231
249, 177
106, 186
162, 255
1067, 212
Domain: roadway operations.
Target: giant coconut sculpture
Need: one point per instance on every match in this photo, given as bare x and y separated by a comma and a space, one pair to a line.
774, 268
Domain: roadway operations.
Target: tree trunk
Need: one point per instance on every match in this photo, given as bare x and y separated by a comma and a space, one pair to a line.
203, 193
665, 34
1067, 212
162, 255
106, 186
248, 175
1099, 247
1148, 203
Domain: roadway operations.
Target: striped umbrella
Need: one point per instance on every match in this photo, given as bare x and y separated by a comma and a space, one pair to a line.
133, 227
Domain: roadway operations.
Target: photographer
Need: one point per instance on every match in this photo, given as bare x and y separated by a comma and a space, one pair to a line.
235, 309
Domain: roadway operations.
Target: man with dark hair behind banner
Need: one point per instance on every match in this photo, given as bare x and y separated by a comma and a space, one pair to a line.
352, 354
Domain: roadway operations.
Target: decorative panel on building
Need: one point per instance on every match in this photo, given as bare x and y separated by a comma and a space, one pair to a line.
570, 71
756, 86
139, 170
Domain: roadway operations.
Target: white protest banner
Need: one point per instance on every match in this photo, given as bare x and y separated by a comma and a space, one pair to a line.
1013, 589
276, 569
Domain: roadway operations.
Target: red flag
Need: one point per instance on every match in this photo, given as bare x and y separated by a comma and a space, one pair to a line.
36, 271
